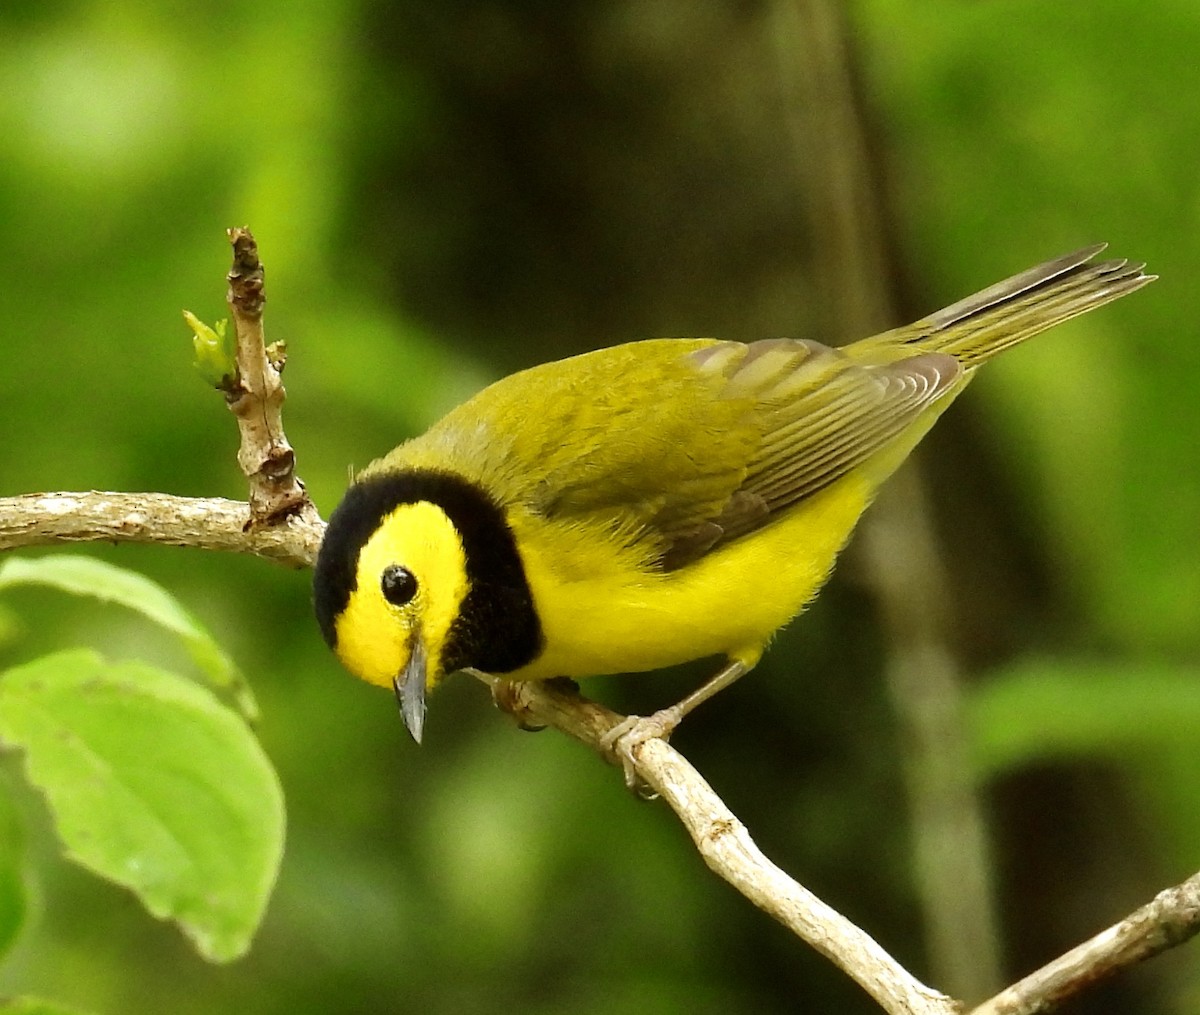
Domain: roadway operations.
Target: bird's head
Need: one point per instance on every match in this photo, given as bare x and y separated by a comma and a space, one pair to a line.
418, 576
390, 580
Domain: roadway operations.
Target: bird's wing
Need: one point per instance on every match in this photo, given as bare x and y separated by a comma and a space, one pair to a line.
819, 414
677, 446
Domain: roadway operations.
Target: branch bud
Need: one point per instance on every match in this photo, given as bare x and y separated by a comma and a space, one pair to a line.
214, 352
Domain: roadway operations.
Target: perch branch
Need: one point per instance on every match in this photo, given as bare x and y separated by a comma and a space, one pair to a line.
1169, 920
727, 847
207, 523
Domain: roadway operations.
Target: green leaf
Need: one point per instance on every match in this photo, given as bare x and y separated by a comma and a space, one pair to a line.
1054, 708
214, 352
153, 784
9, 626
86, 576
14, 902
35, 1006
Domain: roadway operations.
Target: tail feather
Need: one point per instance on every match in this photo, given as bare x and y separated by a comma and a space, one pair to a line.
1007, 313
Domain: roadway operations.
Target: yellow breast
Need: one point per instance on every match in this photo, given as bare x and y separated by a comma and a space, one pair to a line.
602, 614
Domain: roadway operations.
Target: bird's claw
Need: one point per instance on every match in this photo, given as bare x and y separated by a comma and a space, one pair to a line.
632, 732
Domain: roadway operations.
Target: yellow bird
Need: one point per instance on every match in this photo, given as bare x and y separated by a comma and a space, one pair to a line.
656, 502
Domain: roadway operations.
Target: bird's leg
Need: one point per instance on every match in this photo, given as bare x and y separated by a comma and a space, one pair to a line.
635, 730
726, 675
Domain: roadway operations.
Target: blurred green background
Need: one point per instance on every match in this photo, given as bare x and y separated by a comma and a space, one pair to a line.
445, 191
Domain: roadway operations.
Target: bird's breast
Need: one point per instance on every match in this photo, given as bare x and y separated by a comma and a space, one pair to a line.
602, 611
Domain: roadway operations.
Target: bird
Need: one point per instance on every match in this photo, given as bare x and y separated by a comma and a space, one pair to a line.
654, 502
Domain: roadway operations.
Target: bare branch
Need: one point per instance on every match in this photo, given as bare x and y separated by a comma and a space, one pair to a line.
257, 395
1170, 919
209, 523
727, 847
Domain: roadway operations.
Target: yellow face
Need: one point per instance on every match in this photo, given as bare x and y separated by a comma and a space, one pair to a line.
411, 582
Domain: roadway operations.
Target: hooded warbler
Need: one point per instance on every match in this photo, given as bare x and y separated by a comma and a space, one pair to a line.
652, 503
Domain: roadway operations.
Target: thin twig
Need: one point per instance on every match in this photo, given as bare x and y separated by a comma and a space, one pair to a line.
257, 396
1170, 919
727, 847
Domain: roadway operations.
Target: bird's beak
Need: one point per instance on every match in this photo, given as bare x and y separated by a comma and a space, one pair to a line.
410, 690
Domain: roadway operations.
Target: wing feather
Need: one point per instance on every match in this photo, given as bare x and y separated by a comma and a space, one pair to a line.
838, 416
678, 446
818, 415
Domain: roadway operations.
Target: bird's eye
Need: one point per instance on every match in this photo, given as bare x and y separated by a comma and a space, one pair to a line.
399, 584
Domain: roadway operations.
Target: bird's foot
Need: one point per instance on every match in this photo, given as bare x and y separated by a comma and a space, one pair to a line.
631, 733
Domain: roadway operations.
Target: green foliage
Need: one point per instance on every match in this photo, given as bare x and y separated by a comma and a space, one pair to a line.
86, 576
152, 782
36, 1006
154, 785
1051, 709
1025, 126
14, 900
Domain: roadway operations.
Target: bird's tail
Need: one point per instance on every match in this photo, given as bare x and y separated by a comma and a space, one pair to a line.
1002, 315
